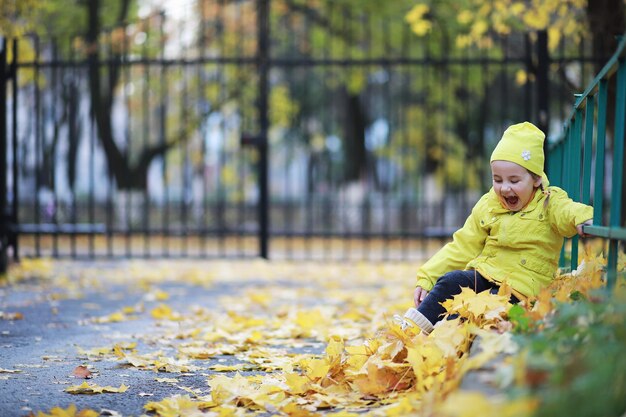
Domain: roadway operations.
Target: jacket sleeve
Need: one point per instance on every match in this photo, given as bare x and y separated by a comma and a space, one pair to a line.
565, 214
467, 243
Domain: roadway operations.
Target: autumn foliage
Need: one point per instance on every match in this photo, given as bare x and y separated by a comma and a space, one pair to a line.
315, 340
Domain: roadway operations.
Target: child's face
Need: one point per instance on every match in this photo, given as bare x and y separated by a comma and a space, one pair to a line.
513, 183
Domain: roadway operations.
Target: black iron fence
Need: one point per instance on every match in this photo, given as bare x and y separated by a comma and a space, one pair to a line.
260, 128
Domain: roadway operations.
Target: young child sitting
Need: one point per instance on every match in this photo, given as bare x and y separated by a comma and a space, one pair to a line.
514, 233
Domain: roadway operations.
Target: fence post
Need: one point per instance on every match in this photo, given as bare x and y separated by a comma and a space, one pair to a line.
615, 220
4, 215
263, 66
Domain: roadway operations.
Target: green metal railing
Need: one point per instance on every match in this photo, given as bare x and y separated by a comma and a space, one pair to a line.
584, 139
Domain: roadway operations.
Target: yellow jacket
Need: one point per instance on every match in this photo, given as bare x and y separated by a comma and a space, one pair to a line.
521, 248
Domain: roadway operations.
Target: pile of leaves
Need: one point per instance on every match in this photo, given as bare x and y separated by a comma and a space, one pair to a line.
556, 355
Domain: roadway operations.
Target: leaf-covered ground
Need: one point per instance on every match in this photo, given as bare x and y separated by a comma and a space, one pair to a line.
217, 338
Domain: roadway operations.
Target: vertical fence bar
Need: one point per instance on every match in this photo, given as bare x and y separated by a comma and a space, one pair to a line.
145, 114
4, 218
52, 182
598, 190
163, 126
38, 147
306, 202
184, 159
588, 149
110, 175
405, 223
14, 217
263, 62
127, 81
201, 105
575, 139
74, 139
561, 150
364, 204
618, 170
222, 156
384, 186
343, 198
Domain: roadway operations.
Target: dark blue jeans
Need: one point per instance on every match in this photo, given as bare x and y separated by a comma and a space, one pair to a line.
450, 285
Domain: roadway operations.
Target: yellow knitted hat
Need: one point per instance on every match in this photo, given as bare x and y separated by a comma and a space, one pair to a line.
523, 144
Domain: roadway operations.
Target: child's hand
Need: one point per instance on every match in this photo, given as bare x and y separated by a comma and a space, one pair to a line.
419, 295
579, 228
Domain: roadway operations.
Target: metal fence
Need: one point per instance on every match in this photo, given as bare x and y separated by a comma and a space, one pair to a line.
260, 128
600, 177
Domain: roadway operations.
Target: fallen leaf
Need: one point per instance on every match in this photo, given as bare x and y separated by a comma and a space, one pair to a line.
90, 389
81, 371
112, 318
67, 412
178, 406
165, 312
167, 380
11, 316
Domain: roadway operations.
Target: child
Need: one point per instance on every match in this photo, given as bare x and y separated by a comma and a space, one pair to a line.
514, 233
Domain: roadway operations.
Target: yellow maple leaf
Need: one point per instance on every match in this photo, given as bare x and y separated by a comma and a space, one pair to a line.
68, 412
334, 349
307, 320
294, 410
543, 304
357, 356
425, 360
90, 389
378, 376
451, 337
164, 312
116, 317
297, 384
316, 369
390, 350
477, 307
161, 295
621, 262
238, 389
178, 406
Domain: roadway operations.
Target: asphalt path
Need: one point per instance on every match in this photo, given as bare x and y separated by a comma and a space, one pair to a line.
55, 321
43, 346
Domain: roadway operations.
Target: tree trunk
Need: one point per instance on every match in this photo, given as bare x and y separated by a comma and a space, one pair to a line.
101, 101
126, 176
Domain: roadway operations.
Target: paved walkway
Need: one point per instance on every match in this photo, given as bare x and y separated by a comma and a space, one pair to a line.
58, 322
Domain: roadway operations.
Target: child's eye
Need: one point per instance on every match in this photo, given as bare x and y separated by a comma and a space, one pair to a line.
497, 181
514, 181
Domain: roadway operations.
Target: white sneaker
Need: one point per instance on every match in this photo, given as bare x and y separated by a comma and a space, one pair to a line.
413, 318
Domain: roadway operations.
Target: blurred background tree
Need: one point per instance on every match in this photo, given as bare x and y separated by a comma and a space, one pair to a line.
376, 99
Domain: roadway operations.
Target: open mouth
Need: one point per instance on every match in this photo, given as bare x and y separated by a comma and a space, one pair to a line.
511, 201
